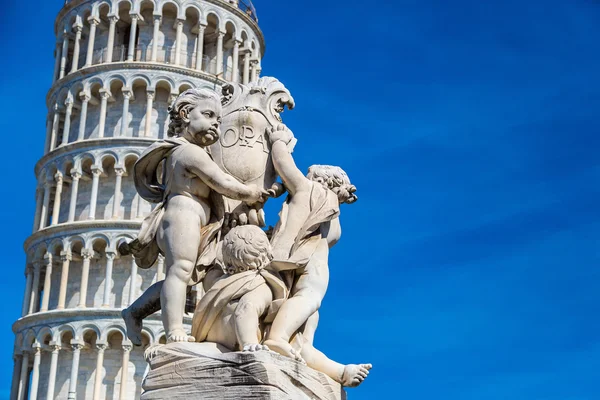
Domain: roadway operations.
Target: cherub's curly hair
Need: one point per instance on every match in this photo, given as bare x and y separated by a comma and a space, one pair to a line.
246, 248
335, 179
187, 101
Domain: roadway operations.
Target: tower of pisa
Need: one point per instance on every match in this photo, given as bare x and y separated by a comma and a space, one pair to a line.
119, 64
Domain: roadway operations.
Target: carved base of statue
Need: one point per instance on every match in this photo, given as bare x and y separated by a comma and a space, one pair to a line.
209, 371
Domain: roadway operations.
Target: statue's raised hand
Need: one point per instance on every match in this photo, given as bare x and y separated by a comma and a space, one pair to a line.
280, 132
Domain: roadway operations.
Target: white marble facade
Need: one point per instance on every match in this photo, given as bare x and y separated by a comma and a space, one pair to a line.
118, 66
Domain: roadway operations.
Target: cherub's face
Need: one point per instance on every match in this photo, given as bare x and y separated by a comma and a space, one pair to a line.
205, 119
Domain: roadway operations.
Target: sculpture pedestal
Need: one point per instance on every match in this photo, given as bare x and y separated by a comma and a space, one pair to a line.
207, 371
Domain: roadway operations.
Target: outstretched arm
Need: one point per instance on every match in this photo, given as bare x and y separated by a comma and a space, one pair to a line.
293, 179
198, 162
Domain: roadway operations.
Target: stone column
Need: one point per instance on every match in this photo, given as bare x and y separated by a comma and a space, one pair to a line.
67, 126
63, 55
200, 46
85, 274
133, 31
111, 37
65, 257
235, 74
110, 258
75, 64
179, 24
38, 208
75, 176
253, 70
35, 288
54, 348
138, 212
96, 172
45, 205
94, 22
14, 388
57, 58
219, 70
246, 74
104, 96
77, 346
133, 282
156, 32
47, 282
101, 346
124, 370
24, 376
28, 288
54, 133
48, 133
127, 95
160, 274
85, 99
35, 376
149, 104
57, 198
117, 197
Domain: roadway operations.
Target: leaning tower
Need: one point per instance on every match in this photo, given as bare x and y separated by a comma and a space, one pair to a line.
119, 64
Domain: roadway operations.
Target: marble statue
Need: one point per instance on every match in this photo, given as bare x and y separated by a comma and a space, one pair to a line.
263, 289
187, 193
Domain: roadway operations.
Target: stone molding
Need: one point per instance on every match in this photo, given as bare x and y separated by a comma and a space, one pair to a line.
137, 66
89, 145
83, 229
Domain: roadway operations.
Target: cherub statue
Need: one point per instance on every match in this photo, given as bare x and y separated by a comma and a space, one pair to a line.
309, 225
231, 312
236, 310
185, 224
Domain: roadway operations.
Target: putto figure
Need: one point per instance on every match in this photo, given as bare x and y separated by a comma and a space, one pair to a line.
185, 224
231, 313
309, 225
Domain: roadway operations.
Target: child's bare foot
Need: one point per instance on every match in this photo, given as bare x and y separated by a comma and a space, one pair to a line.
354, 374
284, 348
255, 347
133, 327
179, 335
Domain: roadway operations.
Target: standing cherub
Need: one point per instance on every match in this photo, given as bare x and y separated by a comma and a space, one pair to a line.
182, 226
309, 225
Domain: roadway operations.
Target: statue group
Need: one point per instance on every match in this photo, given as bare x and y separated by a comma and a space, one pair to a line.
209, 181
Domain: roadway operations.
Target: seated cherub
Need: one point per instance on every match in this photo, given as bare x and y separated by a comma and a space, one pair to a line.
230, 313
236, 309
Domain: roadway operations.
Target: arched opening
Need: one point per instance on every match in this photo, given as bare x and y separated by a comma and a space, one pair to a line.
67, 190
189, 38
168, 34
87, 365
122, 32
146, 31
75, 266
101, 42
65, 363
97, 281
114, 114
106, 196
84, 189
130, 203
210, 44
228, 44
161, 105
93, 114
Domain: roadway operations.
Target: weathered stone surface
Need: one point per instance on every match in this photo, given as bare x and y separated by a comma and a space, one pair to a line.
207, 371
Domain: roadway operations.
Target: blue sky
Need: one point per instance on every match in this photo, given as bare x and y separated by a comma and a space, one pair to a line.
469, 267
